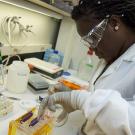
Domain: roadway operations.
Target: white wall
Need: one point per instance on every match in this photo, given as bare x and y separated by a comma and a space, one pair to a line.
44, 29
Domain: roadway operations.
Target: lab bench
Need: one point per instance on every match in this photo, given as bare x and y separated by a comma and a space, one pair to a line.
75, 119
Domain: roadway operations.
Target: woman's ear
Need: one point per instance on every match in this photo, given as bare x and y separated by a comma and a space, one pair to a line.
114, 23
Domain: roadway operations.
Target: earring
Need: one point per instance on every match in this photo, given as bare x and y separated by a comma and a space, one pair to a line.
116, 28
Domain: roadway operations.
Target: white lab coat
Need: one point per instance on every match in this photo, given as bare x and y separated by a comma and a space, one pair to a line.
110, 110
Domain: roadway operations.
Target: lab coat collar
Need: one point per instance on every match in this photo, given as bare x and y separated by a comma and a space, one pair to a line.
101, 65
128, 56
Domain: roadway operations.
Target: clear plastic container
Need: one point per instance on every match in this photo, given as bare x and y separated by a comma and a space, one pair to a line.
85, 67
47, 54
17, 77
61, 58
6, 107
54, 58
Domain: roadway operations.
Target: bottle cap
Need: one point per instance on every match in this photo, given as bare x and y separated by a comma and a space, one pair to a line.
55, 51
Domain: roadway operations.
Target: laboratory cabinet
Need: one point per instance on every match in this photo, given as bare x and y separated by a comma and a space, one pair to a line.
57, 6
65, 5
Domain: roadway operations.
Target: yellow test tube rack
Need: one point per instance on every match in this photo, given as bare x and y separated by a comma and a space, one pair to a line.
21, 126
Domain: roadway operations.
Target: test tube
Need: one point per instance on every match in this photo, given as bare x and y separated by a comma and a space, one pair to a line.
38, 125
26, 117
33, 122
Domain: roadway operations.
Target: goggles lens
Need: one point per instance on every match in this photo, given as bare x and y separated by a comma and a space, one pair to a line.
93, 38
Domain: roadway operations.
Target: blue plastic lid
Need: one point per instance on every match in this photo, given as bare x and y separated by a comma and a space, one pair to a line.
66, 73
55, 51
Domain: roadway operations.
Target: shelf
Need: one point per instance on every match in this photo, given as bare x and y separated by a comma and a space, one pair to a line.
50, 7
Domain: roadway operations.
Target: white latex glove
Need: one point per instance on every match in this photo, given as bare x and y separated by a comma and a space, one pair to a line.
57, 88
71, 101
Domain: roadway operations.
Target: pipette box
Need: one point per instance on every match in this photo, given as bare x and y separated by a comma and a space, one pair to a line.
37, 83
23, 126
47, 69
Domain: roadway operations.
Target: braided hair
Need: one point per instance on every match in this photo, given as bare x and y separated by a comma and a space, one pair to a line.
105, 8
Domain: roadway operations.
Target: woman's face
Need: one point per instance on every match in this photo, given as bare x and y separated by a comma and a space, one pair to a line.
110, 45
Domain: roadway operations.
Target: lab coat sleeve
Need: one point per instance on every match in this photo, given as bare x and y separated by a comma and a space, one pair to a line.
110, 113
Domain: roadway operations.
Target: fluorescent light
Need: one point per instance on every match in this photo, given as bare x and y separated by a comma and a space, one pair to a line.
23, 5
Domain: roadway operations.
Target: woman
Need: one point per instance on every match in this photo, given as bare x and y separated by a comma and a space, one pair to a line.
108, 27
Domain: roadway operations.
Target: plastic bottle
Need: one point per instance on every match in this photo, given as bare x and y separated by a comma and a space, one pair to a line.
54, 58
47, 54
61, 58
17, 77
86, 66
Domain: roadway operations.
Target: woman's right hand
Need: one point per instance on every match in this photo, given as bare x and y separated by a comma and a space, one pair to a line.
70, 100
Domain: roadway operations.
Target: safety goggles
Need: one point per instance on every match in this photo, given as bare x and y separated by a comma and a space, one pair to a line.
92, 39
